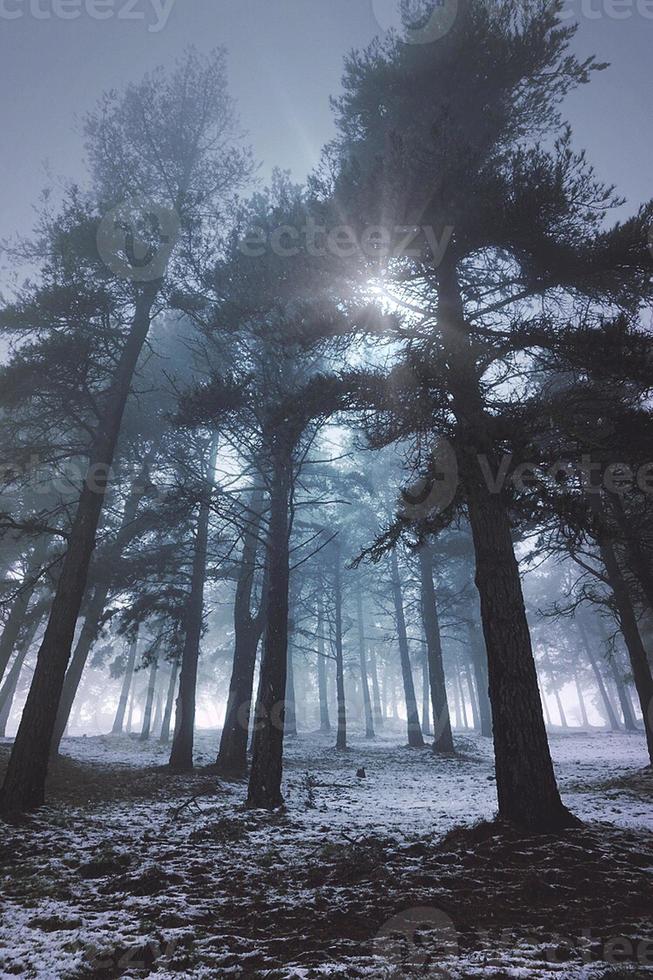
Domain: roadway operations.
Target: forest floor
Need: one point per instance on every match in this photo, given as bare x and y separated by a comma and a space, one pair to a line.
130, 871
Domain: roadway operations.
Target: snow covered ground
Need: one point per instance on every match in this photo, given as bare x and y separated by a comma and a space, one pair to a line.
131, 871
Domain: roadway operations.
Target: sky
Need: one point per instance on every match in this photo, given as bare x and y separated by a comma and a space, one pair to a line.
57, 56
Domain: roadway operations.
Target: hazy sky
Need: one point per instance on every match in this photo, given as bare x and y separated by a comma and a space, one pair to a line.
285, 61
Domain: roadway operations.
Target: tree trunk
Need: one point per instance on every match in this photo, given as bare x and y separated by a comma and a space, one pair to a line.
526, 786
322, 688
415, 737
376, 694
181, 754
126, 686
442, 735
264, 788
149, 700
290, 716
20, 605
600, 683
164, 737
362, 651
638, 658
461, 694
232, 755
8, 690
630, 722
98, 601
476, 718
341, 736
130, 713
581, 701
24, 784
479, 664
74, 673
426, 690
556, 693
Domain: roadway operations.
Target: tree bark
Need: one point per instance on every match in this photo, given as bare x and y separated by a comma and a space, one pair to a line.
415, 737
264, 790
526, 786
24, 784
232, 755
119, 720
362, 651
442, 734
181, 754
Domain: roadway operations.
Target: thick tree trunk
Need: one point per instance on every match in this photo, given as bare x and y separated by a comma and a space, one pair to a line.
8, 690
181, 754
415, 737
24, 784
164, 737
526, 785
362, 652
264, 788
149, 700
341, 736
638, 658
232, 755
610, 714
442, 735
322, 687
479, 665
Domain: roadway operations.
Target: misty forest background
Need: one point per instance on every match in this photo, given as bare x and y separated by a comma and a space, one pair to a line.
360, 466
